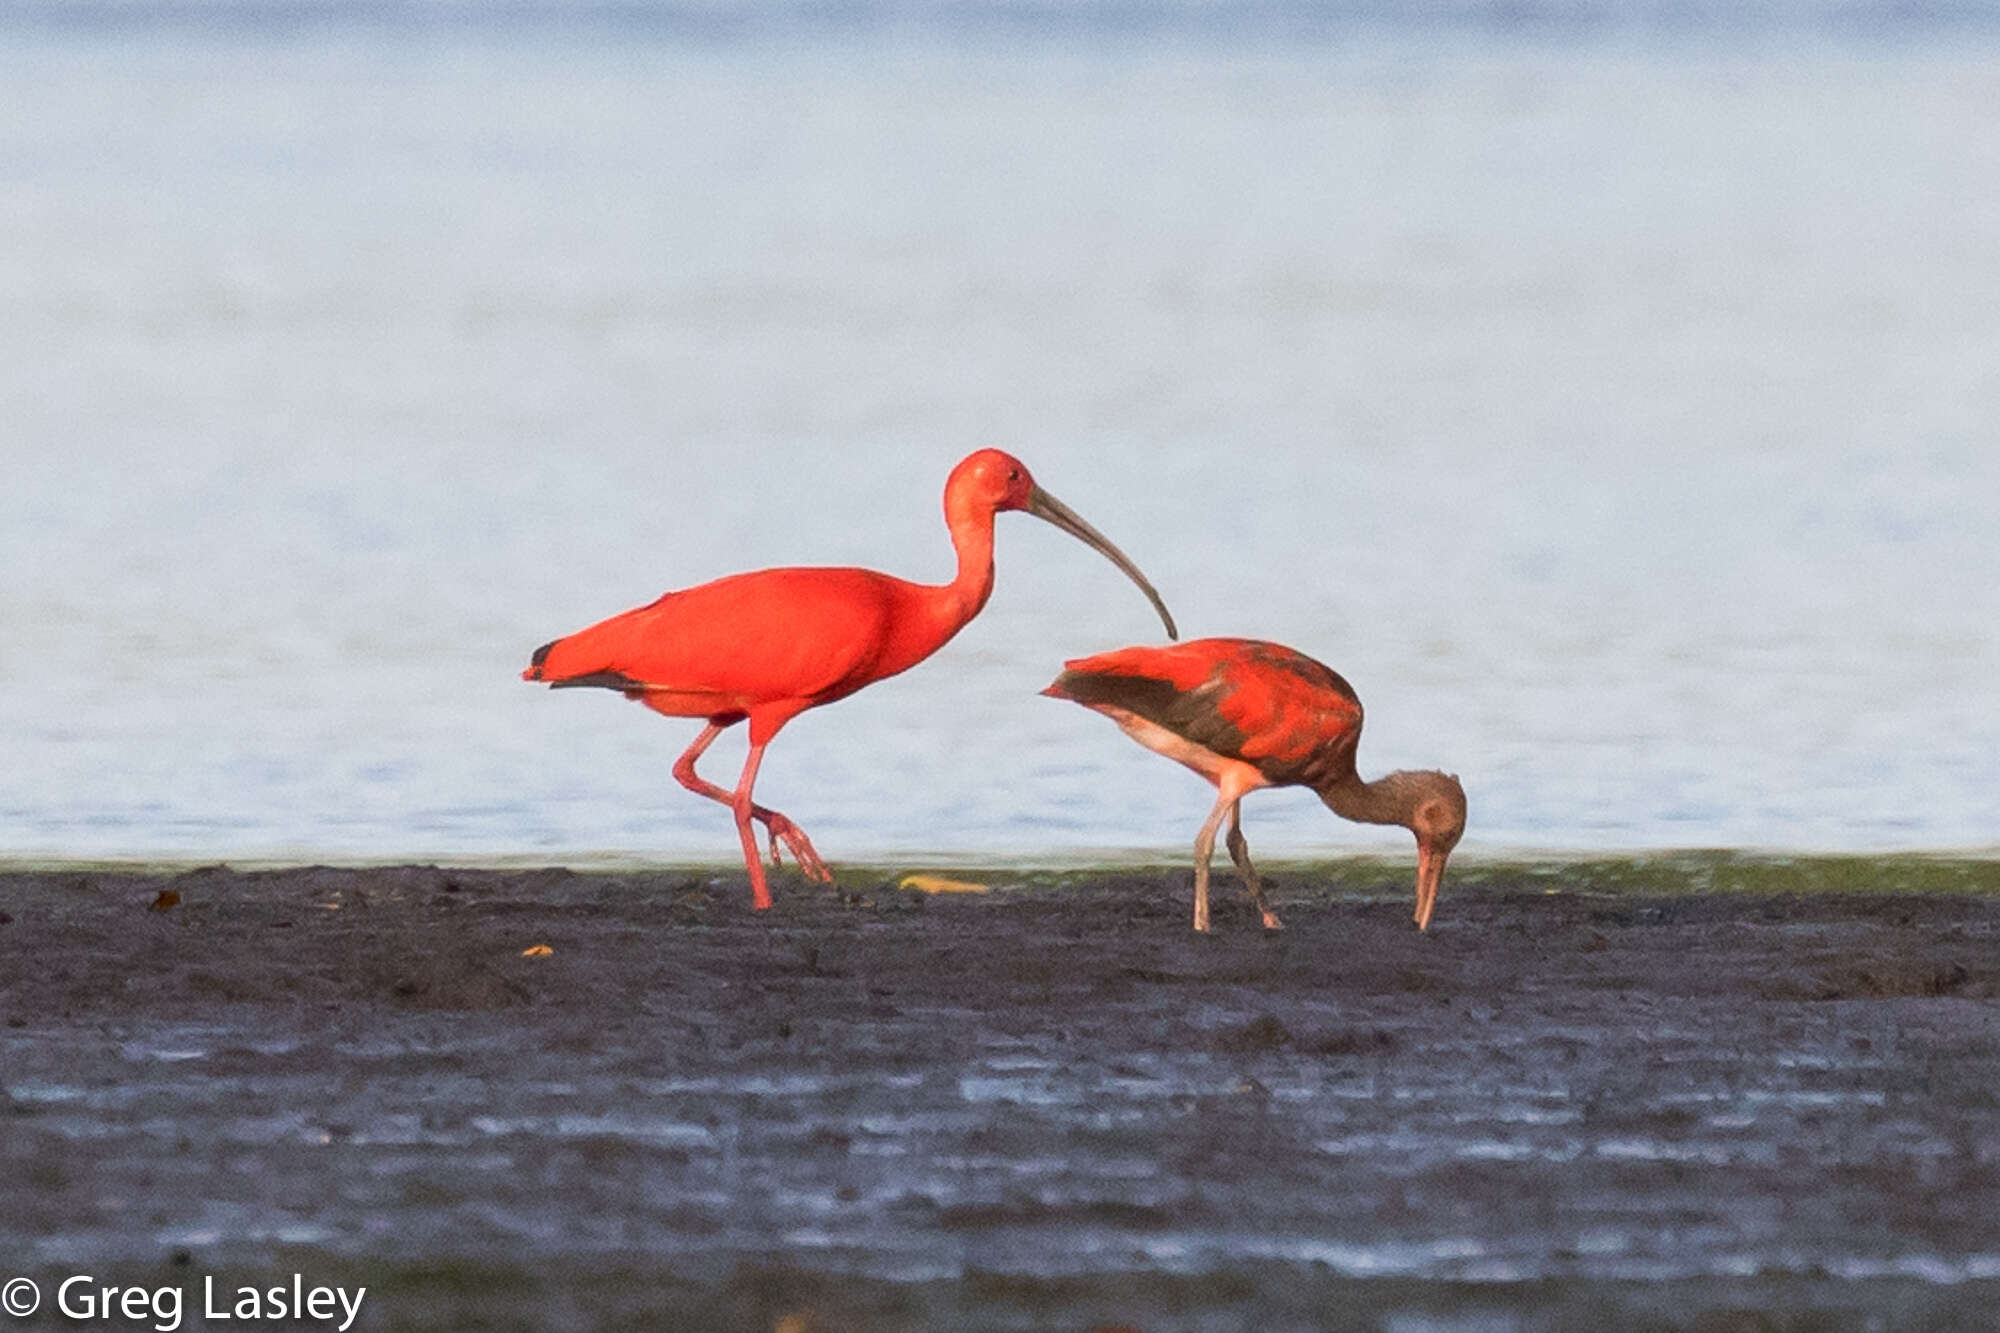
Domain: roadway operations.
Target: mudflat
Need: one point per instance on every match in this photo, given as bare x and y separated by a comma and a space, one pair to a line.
540, 1099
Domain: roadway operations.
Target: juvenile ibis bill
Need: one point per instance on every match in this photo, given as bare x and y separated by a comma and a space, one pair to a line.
1247, 714
766, 646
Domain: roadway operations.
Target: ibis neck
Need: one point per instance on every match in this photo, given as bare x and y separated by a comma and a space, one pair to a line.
1388, 800
972, 538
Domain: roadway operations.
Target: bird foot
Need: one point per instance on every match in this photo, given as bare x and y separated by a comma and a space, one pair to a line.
783, 830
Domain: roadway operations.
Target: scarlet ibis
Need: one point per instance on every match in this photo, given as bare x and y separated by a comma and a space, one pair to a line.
766, 646
1247, 714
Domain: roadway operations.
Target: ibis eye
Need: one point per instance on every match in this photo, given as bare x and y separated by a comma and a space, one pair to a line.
1013, 474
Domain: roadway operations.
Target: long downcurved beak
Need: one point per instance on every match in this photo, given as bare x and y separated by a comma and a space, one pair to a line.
1430, 874
1045, 506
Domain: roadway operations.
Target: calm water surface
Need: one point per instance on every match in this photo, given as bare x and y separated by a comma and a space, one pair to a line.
1615, 410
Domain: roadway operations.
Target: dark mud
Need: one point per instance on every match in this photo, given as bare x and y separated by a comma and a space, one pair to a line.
1050, 1106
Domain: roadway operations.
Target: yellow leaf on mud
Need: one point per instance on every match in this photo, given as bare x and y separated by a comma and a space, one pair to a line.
938, 884
537, 951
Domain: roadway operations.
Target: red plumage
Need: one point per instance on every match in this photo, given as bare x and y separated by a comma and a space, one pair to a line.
768, 645
1291, 718
765, 645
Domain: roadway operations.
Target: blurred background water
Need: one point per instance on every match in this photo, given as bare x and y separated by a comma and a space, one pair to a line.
1607, 389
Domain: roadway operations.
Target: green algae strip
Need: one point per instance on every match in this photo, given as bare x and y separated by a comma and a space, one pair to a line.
1651, 874
1670, 873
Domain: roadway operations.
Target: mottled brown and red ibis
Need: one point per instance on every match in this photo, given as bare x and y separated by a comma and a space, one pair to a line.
1247, 714
768, 645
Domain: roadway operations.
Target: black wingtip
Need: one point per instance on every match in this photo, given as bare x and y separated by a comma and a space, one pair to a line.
542, 653
601, 680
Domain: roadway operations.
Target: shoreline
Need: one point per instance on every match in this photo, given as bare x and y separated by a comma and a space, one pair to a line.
549, 1099
1975, 870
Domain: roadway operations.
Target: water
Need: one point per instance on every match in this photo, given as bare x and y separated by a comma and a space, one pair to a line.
1609, 397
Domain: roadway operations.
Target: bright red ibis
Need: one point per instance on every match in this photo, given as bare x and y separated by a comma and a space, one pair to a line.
768, 645
1247, 714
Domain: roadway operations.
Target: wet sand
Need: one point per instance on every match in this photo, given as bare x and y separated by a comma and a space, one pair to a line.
1582, 1101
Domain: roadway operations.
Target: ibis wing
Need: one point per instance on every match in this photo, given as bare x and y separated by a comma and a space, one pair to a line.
1294, 718
1301, 719
1189, 713
751, 638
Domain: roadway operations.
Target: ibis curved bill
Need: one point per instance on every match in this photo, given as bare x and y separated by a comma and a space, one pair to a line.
1046, 507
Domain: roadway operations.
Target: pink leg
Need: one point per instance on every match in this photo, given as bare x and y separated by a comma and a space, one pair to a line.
1204, 847
1239, 852
760, 892
684, 766
796, 841
1230, 787
779, 826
